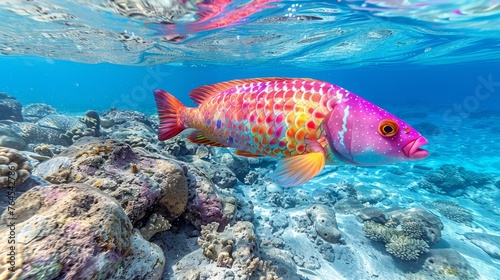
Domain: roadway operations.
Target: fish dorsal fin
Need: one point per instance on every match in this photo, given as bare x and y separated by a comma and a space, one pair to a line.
200, 94
246, 154
296, 170
198, 137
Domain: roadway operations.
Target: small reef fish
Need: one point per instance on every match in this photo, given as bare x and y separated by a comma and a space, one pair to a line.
305, 123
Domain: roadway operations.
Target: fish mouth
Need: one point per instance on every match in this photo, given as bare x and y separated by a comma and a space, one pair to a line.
413, 150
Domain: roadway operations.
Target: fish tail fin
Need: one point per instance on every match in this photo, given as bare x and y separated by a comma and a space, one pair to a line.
169, 109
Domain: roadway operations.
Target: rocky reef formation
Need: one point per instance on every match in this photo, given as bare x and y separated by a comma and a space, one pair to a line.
452, 180
35, 111
101, 191
77, 232
325, 222
10, 108
141, 182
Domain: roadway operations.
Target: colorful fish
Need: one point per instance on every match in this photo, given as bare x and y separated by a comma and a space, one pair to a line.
305, 123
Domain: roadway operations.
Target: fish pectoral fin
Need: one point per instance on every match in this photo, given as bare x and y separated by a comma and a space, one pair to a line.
296, 170
246, 154
198, 137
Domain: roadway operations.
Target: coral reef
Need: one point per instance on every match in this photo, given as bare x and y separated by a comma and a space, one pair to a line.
445, 264
77, 232
325, 222
156, 223
348, 205
238, 165
35, 111
10, 136
407, 234
145, 260
50, 129
453, 211
92, 127
14, 167
453, 179
126, 116
206, 204
138, 180
235, 248
93, 122
406, 247
10, 108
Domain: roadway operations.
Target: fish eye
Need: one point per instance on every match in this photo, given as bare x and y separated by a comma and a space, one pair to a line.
388, 128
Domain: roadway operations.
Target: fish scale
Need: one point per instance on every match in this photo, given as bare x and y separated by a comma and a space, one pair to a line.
255, 124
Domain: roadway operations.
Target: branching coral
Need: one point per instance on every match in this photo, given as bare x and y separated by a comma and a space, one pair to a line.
405, 247
407, 234
453, 211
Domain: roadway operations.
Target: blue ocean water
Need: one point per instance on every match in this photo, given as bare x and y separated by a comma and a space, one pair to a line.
434, 64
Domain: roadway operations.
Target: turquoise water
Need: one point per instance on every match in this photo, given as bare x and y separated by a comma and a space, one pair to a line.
436, 64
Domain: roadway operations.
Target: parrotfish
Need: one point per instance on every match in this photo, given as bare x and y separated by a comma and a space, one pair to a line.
304, 123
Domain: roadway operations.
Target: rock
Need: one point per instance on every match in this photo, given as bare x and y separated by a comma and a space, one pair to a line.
10, 108
207, 204
35, 111
11, 137
325, 222
235, 248
74, 231
92, 121
279, 221
223, 177
372, 214
348, 205
139, 181
239, 165
125, 116
145, 260
25, 186
51, 129
370, 194
487, 242
155, 224
15, 168
445, 264
136, 134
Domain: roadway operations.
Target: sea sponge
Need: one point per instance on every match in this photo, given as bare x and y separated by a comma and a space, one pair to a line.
453, 211
156, 223
405, 247
14, 167
325, 222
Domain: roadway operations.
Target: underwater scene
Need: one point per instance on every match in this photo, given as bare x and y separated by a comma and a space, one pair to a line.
250, 139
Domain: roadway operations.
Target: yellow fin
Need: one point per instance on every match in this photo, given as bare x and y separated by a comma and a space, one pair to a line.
198, 137
296, 170
246, 154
